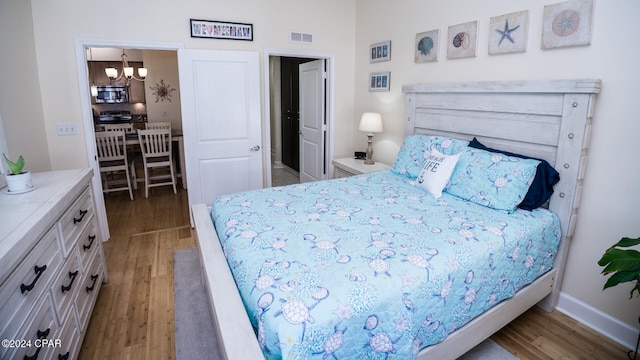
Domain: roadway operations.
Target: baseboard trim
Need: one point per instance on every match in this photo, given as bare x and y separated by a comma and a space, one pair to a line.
613, 328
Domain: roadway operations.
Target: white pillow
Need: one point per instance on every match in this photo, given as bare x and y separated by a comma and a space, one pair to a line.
436, 172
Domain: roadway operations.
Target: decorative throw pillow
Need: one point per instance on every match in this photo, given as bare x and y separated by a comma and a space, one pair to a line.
416, 148
541, 188
491, 179
436, 172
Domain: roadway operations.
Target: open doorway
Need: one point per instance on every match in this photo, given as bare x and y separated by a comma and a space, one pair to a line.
286, 136
84, 78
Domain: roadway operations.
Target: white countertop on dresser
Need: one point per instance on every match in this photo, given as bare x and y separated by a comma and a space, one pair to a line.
24, 218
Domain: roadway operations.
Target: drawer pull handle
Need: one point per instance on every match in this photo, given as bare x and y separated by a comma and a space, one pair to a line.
63, 357
82, 214
94, 278
39, 271
87, 247
41, 335
72, 276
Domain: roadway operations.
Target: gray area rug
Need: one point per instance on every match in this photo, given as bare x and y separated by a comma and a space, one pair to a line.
195, 335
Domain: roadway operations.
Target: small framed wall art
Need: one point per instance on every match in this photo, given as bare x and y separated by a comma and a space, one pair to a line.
462, 40
426, 46
379, 81
221, 30
508, 33
567, 24
380, 52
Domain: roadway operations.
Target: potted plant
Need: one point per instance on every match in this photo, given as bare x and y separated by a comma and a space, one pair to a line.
18, 180
625, 264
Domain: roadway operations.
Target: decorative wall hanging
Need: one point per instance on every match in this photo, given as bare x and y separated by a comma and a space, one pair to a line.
162, 91
567, 24
380, 52
508, 33
462, 40
221, 30
379, 81
426, 47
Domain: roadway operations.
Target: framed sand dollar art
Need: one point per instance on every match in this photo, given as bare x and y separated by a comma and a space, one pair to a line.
567, 24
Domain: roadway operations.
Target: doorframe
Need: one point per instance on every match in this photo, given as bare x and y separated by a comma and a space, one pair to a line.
87, 114
329, 103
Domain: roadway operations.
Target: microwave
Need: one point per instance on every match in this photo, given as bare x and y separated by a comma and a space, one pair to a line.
112, 94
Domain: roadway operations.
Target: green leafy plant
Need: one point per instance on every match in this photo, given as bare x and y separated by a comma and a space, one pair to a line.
15, 167
625, 264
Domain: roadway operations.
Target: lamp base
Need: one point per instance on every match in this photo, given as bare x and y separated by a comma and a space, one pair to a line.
369, 154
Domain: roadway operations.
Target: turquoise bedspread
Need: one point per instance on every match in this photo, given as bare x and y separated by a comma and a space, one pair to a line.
371, 266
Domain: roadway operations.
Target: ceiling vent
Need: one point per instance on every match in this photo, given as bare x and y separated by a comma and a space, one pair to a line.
300, 37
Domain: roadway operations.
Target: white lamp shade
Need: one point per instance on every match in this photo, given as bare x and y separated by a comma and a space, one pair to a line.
371, 122
128, 72
111, 72
142, 72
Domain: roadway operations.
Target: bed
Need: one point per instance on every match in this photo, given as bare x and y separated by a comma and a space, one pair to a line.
357, 246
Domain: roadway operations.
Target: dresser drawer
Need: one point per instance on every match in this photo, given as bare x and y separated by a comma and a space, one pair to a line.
92, 280
66, 285
70, 339
29, 281
75, 220
88, 245
39, 324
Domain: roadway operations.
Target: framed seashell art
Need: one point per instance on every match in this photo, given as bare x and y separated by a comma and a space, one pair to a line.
462, 40
567, 24
426, 47
508, 33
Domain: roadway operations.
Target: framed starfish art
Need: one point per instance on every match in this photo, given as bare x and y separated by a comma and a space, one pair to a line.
508, 33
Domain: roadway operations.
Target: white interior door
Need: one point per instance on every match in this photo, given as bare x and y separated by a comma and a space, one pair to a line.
312, 120
220, 95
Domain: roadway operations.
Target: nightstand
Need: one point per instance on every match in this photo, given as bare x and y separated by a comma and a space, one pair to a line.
349, 166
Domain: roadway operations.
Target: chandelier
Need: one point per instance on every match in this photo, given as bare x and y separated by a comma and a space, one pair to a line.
127, 72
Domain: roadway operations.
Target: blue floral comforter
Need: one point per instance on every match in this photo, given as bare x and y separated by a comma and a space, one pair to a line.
371, 266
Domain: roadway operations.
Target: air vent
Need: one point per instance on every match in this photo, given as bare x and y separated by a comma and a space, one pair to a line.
300, 37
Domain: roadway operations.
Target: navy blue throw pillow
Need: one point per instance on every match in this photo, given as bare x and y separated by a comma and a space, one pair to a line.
541, 188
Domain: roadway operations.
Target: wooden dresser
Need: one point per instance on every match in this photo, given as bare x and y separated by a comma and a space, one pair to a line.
51, 266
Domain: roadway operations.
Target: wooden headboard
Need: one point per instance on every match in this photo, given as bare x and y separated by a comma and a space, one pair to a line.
547, 119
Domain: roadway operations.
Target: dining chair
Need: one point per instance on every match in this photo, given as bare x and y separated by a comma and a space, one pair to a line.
112, 159
126, 128
159, 125
131, 150
156, 153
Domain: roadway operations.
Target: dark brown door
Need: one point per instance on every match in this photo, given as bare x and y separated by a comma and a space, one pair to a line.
290, 112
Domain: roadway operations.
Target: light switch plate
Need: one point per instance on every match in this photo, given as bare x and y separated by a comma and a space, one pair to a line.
66, 129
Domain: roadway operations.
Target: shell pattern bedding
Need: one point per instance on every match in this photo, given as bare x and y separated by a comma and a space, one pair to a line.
372, 266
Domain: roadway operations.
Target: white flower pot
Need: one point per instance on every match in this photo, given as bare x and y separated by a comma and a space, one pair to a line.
19, 183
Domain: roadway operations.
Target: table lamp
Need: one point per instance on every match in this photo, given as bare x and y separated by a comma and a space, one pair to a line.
370, 122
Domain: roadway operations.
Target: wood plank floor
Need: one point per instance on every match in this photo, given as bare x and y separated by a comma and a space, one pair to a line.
134, 315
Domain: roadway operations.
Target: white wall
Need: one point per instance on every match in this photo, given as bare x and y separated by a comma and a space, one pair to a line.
162, 66
20, 95
611, 192
57, 25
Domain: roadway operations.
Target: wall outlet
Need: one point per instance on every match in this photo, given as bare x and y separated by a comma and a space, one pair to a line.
66, 129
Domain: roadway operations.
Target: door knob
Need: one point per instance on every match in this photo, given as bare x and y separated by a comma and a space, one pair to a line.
255, 148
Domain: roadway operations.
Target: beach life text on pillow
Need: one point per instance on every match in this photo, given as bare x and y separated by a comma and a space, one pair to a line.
436, 172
